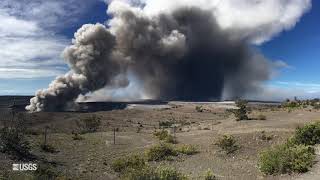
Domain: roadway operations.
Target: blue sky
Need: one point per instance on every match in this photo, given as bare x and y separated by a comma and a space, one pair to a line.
38, 31
300, 49
55, 36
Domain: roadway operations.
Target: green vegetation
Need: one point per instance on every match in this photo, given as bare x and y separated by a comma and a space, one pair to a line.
14, 143
170, 139
308, 134
77, 136
144, 173
265, 137
128, 162
169, 173
32, 132
164, 136
297, 155
166, 123
262, 117
45, 172
199, 109
187, 149
241, 112
286, 158
166, 151
48, 148
89, 125
160, 152
316, 106
13, 137
209, 175
228, 144
291, 104
159, 173
296, 103
134, 167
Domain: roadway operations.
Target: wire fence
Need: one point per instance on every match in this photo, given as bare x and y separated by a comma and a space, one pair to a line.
10, 117
6, 115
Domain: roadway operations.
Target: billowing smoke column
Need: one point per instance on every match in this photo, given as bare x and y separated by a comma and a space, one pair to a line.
178, 55
93, 65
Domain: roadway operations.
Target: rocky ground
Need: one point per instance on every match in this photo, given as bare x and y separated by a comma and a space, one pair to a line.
91, 157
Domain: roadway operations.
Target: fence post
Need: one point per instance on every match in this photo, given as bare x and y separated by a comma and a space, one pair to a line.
114, 136
45, 135
212, 125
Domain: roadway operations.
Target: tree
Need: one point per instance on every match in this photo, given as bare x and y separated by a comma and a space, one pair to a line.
241, 112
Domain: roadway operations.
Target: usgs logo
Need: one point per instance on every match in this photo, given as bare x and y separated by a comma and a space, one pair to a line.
24, 167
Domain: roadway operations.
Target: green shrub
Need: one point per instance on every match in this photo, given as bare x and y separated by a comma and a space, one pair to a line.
89, 125
296, 155
272, 161
187, 149
241, 112
168, 173
262, 117
209, 175
134, 167
171, 139
45, 172
13, 136
286, 158
149, 173
128, 162
228, 144
199, 109
77, 137
160, 152
145, 173
48, 148
32, 132
265, 137
13, 142
290, 104
316, 106
166, 123
308, 134
163, 135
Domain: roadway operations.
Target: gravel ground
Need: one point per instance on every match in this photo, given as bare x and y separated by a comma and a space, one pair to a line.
91, 157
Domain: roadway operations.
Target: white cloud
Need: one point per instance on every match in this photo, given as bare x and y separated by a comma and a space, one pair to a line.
256, 20
30, 47
281, 90
303, 85
48, 13
261, 20
11, 26
26, 45
31, 51
14, 73
282, 65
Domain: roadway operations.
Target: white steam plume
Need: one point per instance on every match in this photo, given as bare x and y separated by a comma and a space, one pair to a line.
256, 20
92, 67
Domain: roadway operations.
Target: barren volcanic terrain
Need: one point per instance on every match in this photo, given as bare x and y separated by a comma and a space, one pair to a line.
199, 124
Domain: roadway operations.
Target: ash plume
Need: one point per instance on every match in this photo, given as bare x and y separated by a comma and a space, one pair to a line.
178, 55
93, 65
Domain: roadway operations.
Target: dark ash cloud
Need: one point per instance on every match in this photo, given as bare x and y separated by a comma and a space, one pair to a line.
182, 55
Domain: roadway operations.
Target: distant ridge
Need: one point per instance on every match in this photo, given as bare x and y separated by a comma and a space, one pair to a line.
20, 102
9, 101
